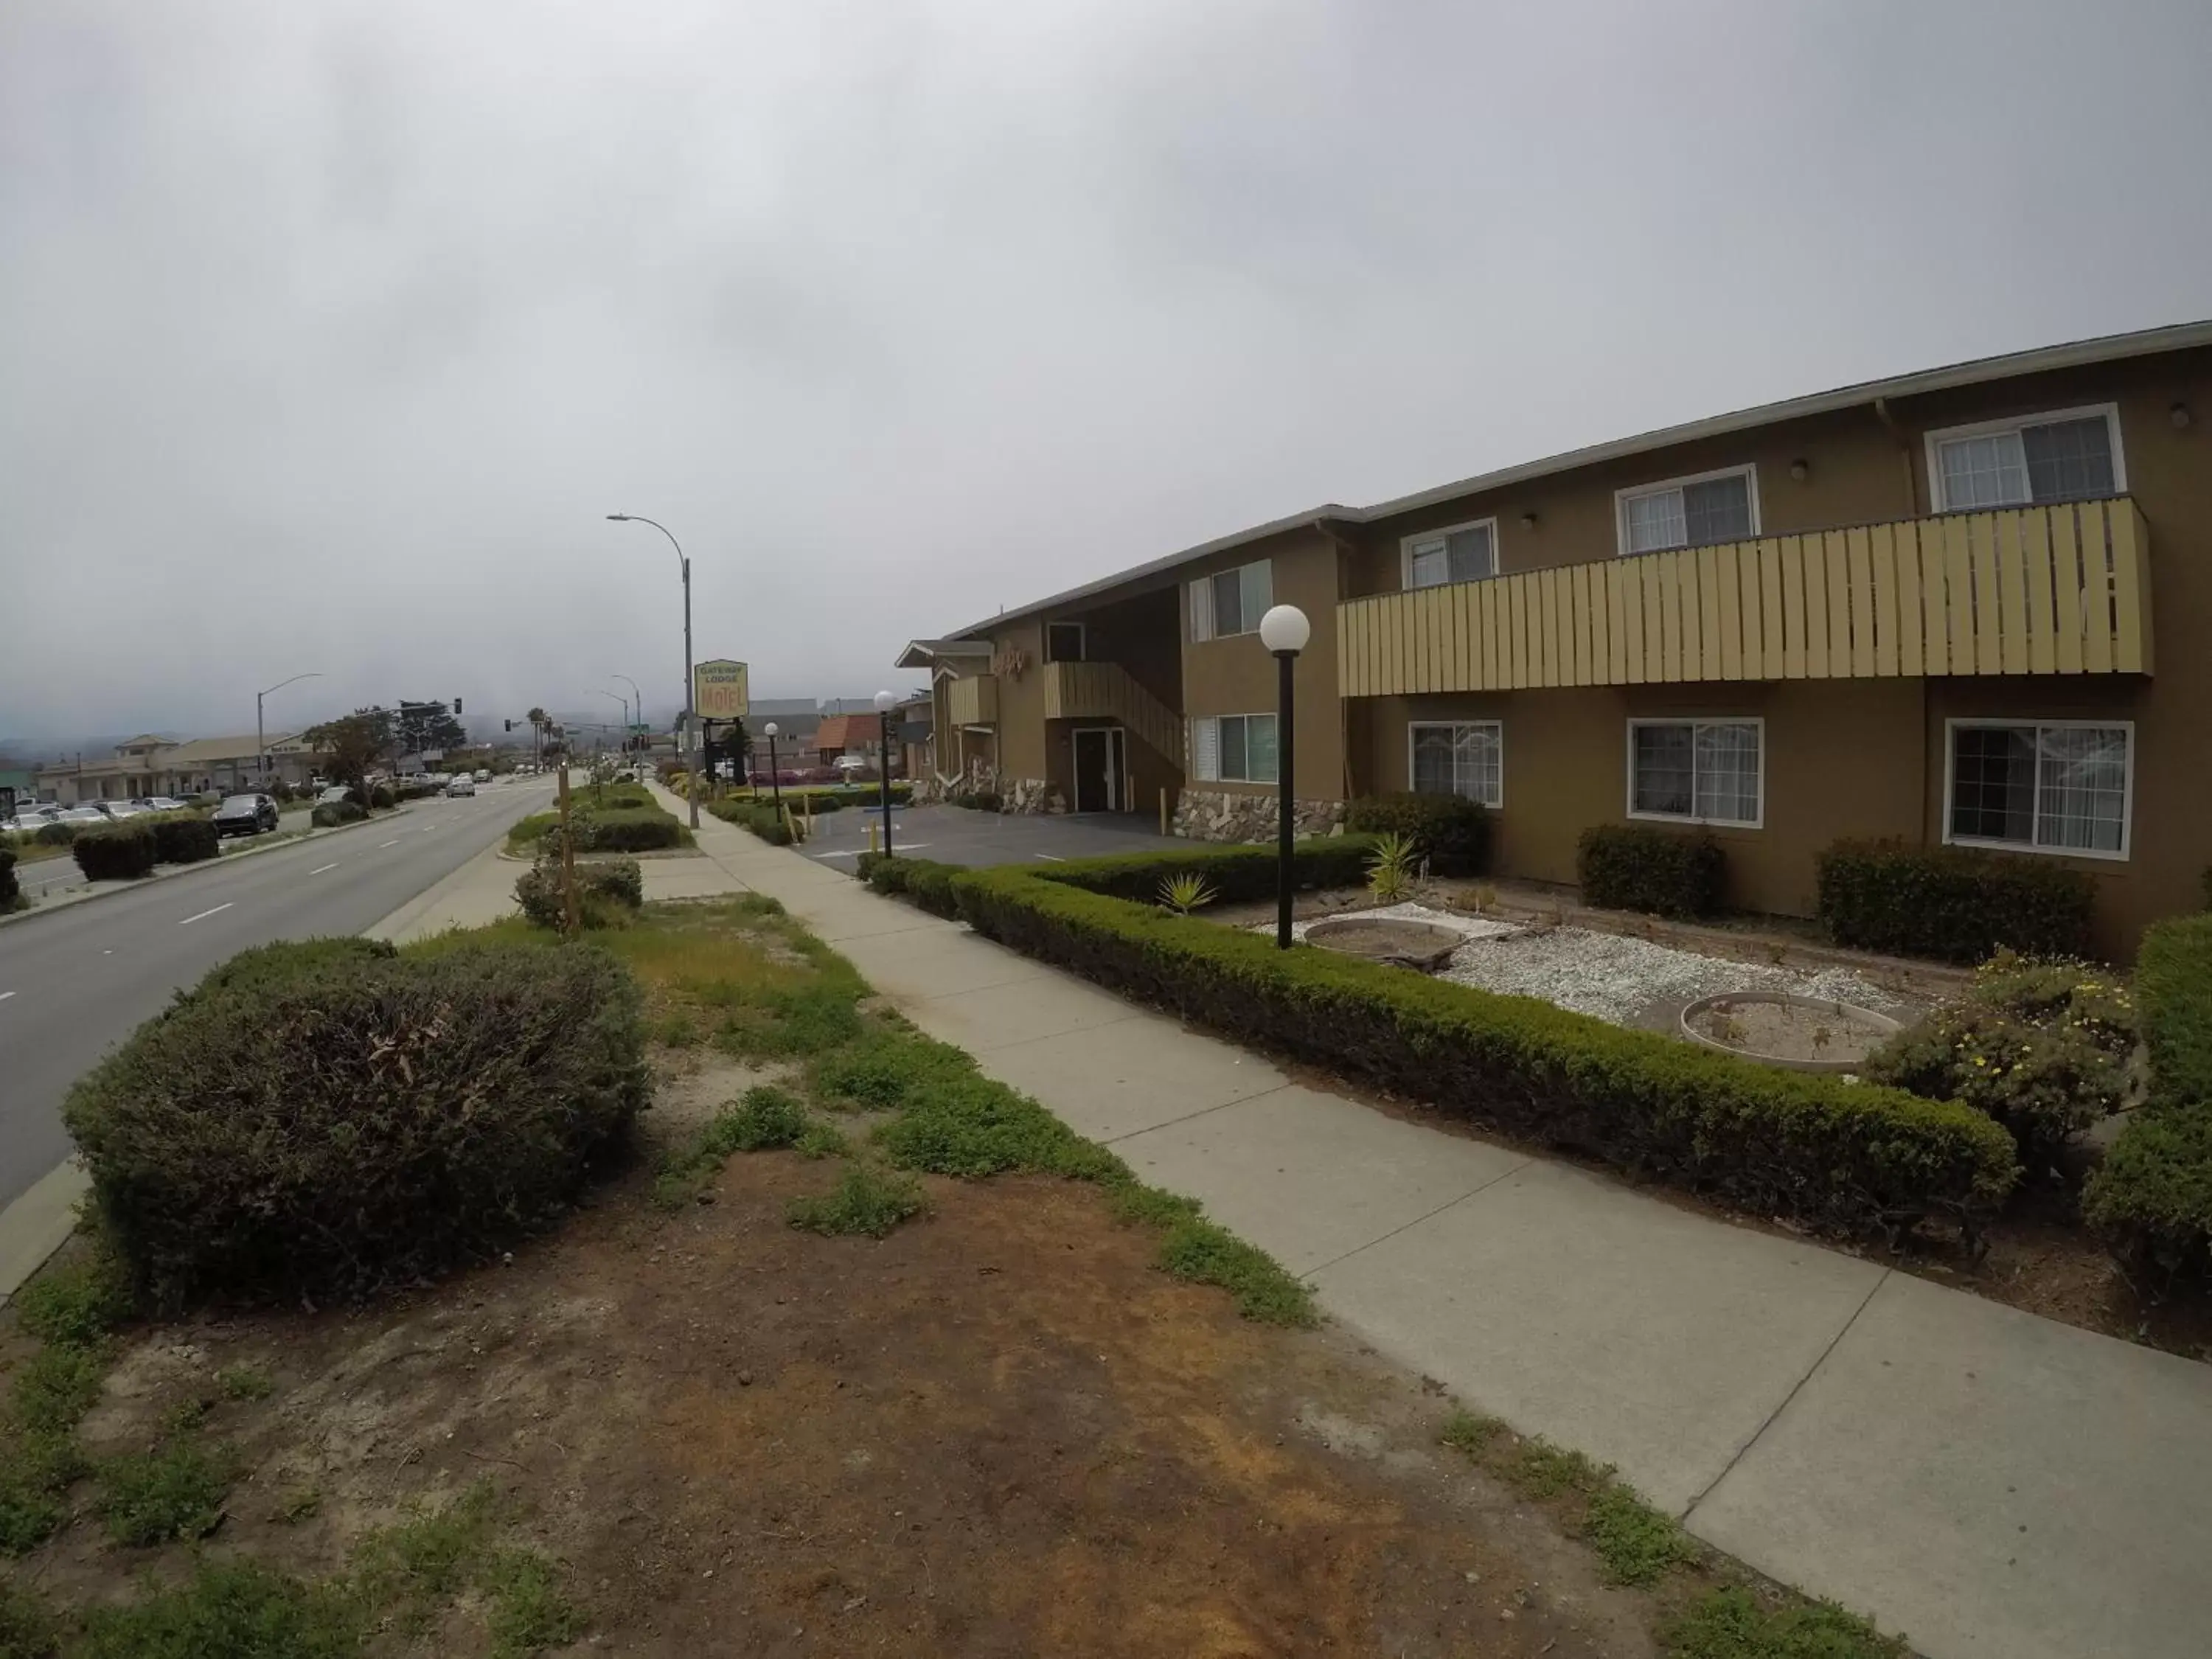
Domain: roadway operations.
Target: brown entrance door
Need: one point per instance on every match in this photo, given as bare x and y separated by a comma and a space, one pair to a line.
1098, 769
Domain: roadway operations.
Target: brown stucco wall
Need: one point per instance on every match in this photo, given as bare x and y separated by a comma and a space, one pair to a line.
1236, 676
1021, 700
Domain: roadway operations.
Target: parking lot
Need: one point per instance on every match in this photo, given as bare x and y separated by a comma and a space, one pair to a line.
957, 835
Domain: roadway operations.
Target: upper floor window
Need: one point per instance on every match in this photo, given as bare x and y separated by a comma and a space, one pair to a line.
1232, 601
1063, 641
1693, 512
2068, 455
1462, 553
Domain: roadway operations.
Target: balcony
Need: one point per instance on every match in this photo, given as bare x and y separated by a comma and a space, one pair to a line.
973, 700
2063, 589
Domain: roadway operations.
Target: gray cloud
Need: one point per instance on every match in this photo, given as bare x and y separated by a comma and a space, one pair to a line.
328, 333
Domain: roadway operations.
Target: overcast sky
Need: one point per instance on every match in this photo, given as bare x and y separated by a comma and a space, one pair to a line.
331, 332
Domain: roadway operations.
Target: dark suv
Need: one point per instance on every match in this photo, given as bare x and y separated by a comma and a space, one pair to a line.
245, 815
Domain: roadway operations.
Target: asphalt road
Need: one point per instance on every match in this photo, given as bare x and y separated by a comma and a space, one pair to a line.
77, 980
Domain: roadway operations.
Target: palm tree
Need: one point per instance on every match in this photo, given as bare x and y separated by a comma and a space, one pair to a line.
539, 719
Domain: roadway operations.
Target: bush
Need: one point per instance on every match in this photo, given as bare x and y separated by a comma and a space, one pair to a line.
631, 829
10, 890
183, 838
2174, 987
1237, 874
383, 797
606, 893
865, 1201
759, 817
115, 852
1842, 1154
274, 966
1953, 904
1634, 867
1452, 832
2150, 1200
55, 835
328, 815
458, 1101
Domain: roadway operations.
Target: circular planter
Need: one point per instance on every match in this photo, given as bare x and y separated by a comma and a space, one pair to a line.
1424, 945
1782, 1020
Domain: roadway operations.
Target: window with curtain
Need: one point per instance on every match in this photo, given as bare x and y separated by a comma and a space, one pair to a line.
2066, 458
1465, 553
1233, 749
1463, 758
1699, 771
1232, 601
1687, 513
2055, 788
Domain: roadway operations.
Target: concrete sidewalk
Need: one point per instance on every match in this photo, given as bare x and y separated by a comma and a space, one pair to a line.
1989, 1483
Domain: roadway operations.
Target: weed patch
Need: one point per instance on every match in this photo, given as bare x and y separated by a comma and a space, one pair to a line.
1543, 1470
765, 1117
174, 1491
1196, 1250
1729, 1623
1636, 1543
55, 1387
867, 1200
821, 1140
239, 1609
244, 1382
28, 1629
527, 1611
1464, 1431
77, 1305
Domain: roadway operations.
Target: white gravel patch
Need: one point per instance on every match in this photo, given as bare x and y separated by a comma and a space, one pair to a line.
1616, 977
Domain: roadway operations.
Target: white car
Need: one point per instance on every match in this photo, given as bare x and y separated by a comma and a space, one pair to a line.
484, 774
464, 783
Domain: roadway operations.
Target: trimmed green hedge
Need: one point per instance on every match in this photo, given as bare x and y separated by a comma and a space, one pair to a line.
1237, 874
1634, 867
1953, 904
183, 838
1452, 831
328, 814
1851, 1156
629, 829
116, 852
761, 818
325, 1120
606, 889
2173, 1005
9, 890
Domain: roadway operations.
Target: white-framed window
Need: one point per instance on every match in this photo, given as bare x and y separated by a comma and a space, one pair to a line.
2039, 786
1457, 553
1697, 511
1233, 749
2066, 455
1698, 771
1064, 642
1232, 601
1457, 757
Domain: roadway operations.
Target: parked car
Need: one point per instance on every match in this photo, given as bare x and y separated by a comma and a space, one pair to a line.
332, 796
245, 815
464, 783
84, 814
484, 774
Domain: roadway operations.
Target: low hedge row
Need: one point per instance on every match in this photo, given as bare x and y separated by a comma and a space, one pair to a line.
759, 816
1953, 904
1851, 1156
1452, 831
328, 814
1635, 866
630, 828
9, 890
450, 1103
116, 852
183, 838
2151, 1198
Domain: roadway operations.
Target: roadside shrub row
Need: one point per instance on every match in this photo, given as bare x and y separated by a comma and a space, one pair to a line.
1452, 832
1954, 903
116, 852
328, 814
1635, 866
10, 891
761, 818
1853, 1156
458, 1100
2151, 1198
608, 892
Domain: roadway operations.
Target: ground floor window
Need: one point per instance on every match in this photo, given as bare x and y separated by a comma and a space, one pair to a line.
1233, 749
2041, 786
1464, 757
1698, 771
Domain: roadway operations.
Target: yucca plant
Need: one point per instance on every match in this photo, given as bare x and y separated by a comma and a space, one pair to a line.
1390, 872
1185, 893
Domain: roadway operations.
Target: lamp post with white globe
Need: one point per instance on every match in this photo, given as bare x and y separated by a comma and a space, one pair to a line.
774, 778
884, 701
1284, 630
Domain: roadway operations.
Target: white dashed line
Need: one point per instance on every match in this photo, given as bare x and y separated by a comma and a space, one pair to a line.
1052, 858
4, 995
319, 869
389, 843
204, 914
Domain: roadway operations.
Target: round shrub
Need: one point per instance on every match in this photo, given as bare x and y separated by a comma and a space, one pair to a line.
1452, 832
382, 798
328, 815
55, 835
325, 1121
1634, 867
604, 891
10, 890
115, 852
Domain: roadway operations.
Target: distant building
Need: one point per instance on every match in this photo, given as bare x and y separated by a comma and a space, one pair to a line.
153, 765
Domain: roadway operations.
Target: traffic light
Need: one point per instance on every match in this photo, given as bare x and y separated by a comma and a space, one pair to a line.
457, 705
510, 725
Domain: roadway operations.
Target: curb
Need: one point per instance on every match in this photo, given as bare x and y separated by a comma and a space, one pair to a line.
38, 1223
90, 891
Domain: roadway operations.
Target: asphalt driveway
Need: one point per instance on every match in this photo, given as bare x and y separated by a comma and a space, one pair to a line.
957, 835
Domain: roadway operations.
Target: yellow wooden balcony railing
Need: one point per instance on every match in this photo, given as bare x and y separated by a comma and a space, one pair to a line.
1106, 690
2063, 589
973, 700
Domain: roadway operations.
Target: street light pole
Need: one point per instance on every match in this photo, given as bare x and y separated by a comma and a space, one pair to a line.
1284, 630
884, 701
639, 719
774, 778
691, 789
260, 739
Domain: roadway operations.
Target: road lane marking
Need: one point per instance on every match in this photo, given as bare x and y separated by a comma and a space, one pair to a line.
318, 870
1052, 858
4, 995
389, 843
204, 914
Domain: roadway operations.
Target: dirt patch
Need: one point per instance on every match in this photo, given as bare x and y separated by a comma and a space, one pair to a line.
1833, 1033
1001, 1430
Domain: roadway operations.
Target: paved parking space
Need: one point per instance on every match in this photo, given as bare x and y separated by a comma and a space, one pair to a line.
956, 834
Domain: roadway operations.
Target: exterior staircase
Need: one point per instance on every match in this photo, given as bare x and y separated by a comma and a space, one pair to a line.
1105, 690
